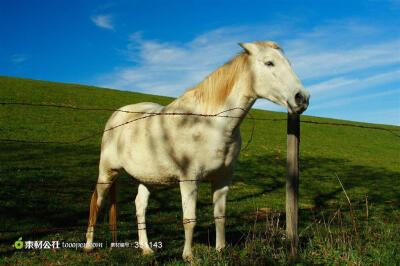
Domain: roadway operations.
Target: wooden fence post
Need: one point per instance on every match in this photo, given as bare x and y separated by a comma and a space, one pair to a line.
292, 180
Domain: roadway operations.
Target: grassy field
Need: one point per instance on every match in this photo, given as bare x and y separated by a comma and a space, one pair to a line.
49, 186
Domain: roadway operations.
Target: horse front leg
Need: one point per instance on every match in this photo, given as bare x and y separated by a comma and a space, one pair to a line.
141, 203
189, 199
220, 189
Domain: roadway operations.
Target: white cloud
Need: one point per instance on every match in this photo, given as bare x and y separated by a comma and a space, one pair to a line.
345, 85
103, 21
170, 68
333, 59
323, 62
387, 116
330, 84
348, 100
18, 58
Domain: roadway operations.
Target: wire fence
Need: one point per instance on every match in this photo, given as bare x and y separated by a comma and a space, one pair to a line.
256, 214
145, 115
151, 114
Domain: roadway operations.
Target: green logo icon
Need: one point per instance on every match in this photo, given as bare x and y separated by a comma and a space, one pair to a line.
19, 244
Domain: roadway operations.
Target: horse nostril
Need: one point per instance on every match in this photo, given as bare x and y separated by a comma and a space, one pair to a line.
299, 98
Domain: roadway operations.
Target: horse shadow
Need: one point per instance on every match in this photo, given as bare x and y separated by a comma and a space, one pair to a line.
37, 198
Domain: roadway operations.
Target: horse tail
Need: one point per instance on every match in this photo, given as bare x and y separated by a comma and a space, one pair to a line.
113, 211
93, 209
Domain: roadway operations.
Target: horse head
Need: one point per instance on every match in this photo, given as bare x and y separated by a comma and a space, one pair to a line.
273, 78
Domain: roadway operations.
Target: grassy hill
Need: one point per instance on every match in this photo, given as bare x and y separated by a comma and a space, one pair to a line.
50, 185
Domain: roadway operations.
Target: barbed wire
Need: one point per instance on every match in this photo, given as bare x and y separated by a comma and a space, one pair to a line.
150, 114
122, 226
351, 125
135, 226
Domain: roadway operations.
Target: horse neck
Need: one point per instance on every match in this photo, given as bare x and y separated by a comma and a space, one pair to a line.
232, 109
238, 102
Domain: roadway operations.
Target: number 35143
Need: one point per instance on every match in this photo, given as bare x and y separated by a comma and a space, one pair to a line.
157, 244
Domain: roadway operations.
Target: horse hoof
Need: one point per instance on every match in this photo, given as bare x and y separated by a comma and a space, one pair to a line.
87, 250
147, 251
220, 248
187, 257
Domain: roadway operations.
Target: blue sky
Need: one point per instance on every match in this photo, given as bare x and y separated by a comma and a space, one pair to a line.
346, 53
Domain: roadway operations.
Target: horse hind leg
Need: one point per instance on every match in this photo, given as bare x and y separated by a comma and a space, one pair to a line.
141, 203
105, 182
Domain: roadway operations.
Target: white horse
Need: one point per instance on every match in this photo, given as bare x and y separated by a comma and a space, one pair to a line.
185, 149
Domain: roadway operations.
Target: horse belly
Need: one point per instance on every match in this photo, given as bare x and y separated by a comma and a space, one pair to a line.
149, 167
144, 156
151, 173
216, 155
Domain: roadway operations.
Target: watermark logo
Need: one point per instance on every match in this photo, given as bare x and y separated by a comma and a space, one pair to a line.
39, 244
19, 244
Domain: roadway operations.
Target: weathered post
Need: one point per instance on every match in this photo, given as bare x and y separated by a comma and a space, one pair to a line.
292, 180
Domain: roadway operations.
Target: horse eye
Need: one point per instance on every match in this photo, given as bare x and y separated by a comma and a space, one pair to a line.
269, 63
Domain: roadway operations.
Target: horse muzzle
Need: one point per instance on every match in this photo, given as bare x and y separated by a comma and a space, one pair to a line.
299, 103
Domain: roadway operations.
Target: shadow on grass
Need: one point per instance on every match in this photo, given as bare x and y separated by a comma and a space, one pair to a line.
27, 202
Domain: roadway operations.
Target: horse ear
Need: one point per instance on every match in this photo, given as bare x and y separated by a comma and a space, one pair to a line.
250, 47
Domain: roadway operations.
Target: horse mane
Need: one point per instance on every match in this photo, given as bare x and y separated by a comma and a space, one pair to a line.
215, 88
213, 91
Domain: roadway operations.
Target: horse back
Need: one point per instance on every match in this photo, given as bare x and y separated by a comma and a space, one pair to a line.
125, 116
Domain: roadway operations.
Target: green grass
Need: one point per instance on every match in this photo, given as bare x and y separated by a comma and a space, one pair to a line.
366, 160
